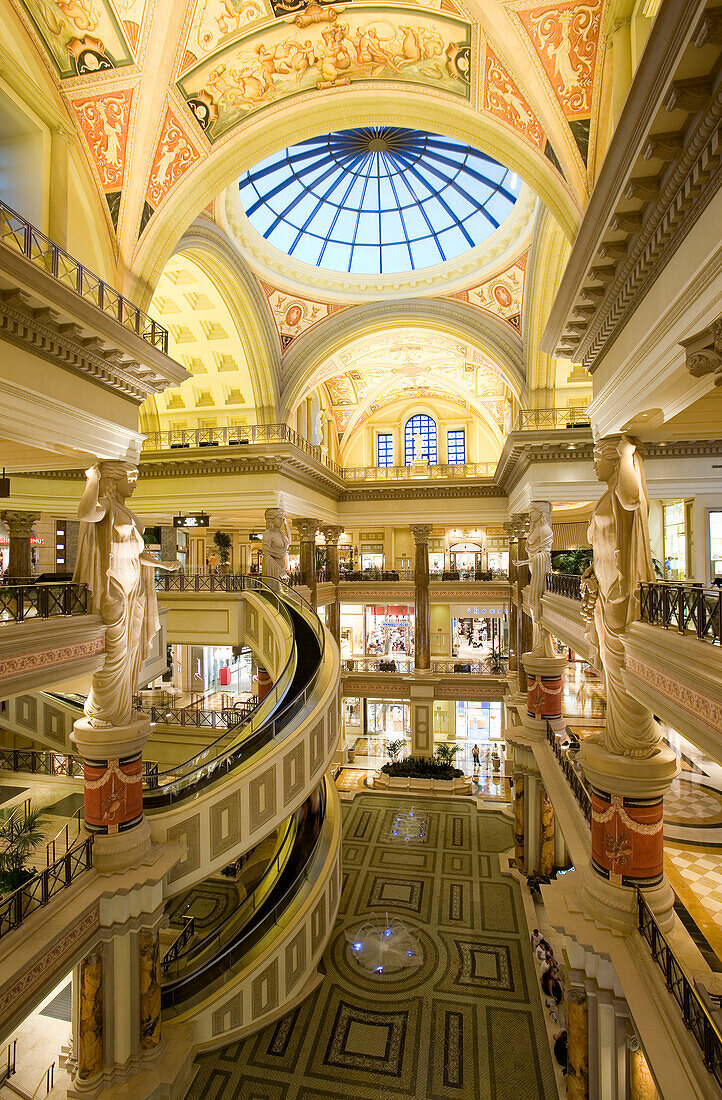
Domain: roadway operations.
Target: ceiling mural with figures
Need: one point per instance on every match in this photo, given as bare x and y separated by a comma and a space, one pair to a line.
223, 62
84, 37
317, 49
370, 374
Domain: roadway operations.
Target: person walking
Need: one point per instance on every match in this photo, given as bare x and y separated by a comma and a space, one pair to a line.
475, 755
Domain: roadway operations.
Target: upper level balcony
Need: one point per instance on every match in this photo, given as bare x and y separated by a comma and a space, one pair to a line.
673, 655
54, 310
259, 444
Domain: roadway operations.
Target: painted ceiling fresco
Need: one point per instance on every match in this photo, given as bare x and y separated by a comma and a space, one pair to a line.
405, 364
503, 295
231, 59
84, 37
316, 49
294, 315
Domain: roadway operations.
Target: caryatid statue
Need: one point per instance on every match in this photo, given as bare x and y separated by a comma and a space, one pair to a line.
619, 535
276, 541
120, 574
539, 548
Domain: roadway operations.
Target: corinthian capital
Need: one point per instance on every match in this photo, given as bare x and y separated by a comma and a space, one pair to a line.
704, 352
20, 524
331, 534
421, 533
306, 528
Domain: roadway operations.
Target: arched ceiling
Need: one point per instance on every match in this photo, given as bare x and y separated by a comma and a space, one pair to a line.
168, 98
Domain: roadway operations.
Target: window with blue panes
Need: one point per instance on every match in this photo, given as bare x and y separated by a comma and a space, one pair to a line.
425, 427
456, 447
385, 449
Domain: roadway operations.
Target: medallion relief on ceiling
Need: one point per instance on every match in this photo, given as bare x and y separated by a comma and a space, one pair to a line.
83, 37
503, 295
294, 315
327, 46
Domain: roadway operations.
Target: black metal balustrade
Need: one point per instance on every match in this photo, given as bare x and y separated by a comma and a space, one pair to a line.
45, 885
47, 762
565, 584
579, 791
696, 1016
19, 602
683, 606
539, 419
227, 718
177, 947
18, 234
200, 582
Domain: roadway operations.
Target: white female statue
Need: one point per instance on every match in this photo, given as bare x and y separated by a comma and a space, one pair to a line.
276, 541
619, 536
539, 548
120, 575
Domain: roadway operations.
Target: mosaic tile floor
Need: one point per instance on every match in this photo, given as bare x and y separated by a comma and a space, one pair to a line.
466, 1023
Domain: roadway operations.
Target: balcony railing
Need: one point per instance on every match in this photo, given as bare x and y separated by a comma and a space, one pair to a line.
18, 234
40, 762
443, 471
354, 575
19, 602
489, 666
200, 582
539, 419
695, 1013
237, 436
39, 890
565, 584
684, 607
578, 789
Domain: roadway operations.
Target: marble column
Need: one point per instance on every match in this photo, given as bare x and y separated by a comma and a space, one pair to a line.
20, 529
332, 534
150, 979
519, 783
548, 845
524, 628
422, 644
513, 608
577, 1045
307, 529
89, 1051
532, 825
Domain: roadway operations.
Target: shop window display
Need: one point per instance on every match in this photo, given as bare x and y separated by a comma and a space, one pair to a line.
389, 630
715, 545
478, 632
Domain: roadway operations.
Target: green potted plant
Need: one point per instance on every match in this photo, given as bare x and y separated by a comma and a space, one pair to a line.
223, 543
19, 838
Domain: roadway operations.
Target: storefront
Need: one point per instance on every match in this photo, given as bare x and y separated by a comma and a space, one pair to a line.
497, 556
675, 549
715, 545
372, 555
479, 631
370, 724
466, 558
373, 630
478, 720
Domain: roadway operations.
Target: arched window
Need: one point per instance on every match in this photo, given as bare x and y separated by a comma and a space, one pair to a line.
425, 427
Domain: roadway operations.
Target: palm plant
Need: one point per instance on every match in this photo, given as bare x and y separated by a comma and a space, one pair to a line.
573, 561
19, 838
445, 753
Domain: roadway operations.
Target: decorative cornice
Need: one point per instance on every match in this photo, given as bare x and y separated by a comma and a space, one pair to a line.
35, 330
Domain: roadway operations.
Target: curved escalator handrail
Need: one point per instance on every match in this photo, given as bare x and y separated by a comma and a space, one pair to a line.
185, 785
231, 954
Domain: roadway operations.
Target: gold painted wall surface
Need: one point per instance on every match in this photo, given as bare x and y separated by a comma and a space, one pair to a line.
90, 1016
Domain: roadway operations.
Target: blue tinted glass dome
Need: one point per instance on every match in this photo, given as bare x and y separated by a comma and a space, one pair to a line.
377, 200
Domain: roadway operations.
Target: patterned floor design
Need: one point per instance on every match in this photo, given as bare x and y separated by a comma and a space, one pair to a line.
466, 1023
696, 877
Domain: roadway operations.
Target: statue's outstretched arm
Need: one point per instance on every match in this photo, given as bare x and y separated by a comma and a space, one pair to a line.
89, 510
629, 488
147, 558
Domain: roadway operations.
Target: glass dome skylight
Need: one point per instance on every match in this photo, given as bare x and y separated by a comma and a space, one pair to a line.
378, 200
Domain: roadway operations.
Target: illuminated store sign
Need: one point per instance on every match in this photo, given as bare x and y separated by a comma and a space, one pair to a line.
199, 520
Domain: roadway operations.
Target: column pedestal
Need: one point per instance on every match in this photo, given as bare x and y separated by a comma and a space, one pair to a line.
113, 790
627, 835
262, 683
545, 681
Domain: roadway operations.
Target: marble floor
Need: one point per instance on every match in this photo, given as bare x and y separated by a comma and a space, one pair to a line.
39, 1041
466, 1022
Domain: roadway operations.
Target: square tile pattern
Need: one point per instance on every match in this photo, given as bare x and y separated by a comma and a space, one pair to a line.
467, 1022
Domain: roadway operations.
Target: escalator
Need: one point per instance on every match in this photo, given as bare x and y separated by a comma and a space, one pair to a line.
269, 721
209, 964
